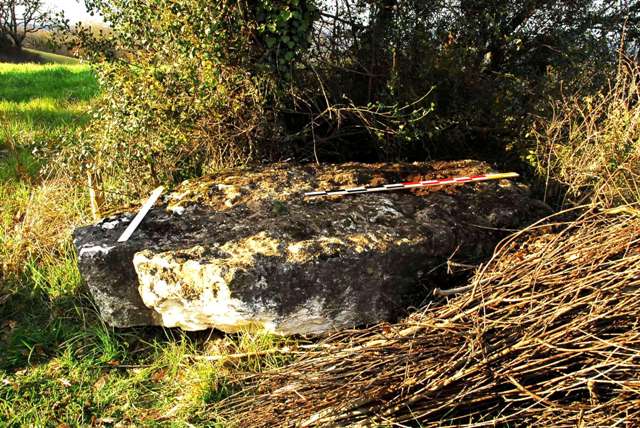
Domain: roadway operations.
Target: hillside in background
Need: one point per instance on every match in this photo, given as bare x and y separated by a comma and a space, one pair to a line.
27, 55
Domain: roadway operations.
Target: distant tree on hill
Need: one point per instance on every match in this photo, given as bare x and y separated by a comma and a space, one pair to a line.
21, 17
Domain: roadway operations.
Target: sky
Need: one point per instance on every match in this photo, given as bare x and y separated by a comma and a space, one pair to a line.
73, 10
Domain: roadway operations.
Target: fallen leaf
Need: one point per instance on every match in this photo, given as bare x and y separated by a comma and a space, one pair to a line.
100, 383
158, 375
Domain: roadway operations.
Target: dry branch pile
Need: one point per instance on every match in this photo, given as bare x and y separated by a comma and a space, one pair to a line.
549, 335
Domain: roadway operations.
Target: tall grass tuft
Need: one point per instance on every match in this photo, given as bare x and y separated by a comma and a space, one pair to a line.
591, 144
38, 222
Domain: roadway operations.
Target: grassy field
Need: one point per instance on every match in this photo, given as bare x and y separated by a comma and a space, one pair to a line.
59, 365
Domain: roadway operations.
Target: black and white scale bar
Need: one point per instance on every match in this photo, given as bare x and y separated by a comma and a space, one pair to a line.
411, 185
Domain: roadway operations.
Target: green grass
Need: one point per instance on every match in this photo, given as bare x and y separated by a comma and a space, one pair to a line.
25, 82
43, 102
59, 364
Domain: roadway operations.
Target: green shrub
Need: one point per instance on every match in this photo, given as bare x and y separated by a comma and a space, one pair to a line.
189, 86
192, 85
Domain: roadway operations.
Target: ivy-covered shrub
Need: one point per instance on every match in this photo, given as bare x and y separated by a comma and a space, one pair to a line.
189, 86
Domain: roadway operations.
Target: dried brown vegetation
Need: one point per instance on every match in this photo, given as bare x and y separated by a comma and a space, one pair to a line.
549, 335
38, 224
591, 144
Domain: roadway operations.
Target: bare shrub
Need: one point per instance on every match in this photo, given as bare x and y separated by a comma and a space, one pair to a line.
591, 144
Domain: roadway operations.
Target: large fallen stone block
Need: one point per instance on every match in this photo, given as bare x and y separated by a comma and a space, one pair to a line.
245, 250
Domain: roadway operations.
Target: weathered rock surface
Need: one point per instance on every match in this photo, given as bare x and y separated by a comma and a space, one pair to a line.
246, 250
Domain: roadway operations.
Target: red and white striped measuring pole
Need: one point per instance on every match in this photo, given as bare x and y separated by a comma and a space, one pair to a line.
412, 184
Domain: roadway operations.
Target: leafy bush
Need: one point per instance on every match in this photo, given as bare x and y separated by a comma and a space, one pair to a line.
189, 86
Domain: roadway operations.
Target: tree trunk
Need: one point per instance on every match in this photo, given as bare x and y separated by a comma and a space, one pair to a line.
379, 65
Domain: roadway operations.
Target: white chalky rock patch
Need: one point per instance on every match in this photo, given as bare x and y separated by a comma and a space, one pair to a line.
90, 251
195, 295
178, 210
110, 224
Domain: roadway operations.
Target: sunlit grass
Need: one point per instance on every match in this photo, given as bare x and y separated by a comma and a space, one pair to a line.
43, 113
40, 103
40, 297
23, 82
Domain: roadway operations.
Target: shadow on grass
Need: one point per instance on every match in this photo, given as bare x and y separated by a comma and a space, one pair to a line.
17, 165
58, 362
35, 329
13, 55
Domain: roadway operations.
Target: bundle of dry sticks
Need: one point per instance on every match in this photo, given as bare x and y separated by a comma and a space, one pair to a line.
547, 335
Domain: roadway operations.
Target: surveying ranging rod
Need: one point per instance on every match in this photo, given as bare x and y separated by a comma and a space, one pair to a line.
412, 185
141, 214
